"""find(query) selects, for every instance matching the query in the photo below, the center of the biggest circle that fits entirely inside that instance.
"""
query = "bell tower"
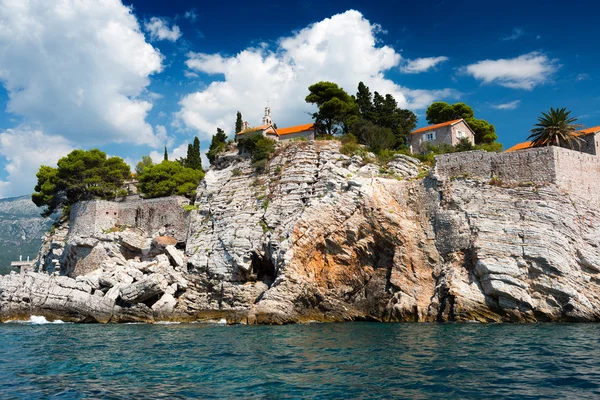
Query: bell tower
(267, 118)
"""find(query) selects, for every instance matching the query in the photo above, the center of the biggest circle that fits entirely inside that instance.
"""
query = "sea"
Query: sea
(41, 360)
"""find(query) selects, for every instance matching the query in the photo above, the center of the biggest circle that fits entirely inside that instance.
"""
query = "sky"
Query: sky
(132, 76)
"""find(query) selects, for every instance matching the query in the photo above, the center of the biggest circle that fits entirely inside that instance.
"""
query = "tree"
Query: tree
(440, 112)
(193, 158)
(81, 175)
(169, 178)
(260, 148)
(217, 145)
(238, 122)
(384, 111)
(140, 166)
(555, 128)
(166, 156)
(364, 101)
(336, 107)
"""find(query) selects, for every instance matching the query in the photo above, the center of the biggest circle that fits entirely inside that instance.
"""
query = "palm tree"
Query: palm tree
(556, 128)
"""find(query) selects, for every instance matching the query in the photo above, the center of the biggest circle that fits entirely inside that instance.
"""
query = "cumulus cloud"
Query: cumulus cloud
(344, 49)
(25, 149)
(524, 72)
(507, 106)
(78, 69)
(191, 15)
(158, 28)
(516, 33)
(419, 65)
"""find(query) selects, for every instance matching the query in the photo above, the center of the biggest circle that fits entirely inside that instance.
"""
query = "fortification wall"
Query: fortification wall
(575, 172)
(92, 217)
(578, 174)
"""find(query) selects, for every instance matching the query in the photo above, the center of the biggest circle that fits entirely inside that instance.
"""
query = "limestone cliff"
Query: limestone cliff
(324, 237)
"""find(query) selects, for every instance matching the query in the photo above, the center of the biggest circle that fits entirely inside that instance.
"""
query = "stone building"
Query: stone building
(268, 129)
(590, 143)
(448, 133)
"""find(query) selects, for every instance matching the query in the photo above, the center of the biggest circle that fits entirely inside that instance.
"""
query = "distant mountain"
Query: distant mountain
(21, 230)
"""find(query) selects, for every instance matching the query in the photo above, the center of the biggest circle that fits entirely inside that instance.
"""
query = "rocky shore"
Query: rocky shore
(321, 236)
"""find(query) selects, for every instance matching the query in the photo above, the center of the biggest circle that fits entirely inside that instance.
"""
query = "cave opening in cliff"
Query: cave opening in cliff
(262, 268)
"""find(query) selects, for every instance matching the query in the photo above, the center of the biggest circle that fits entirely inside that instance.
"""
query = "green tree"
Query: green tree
(364, 101)
(260, 149)
(166, 156)
(238, 122)
(169, 178)
(440, 112)
(193, 158)
(140, 166)
(556, 128)
(217, 145)
(81, 175)
(335, 107)
(384, 111)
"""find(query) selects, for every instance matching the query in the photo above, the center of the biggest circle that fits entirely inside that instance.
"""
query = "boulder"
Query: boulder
(133, 241)
(143, 290)
(175, 255)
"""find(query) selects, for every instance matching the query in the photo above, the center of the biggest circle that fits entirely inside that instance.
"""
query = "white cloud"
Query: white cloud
(343, 49)
(78, 68)
(191, 15)
(190, 74)
(507, 106)
(178, 152)
(158, 28)
(516, 33)
(524, 72)
(582, 77)
(25, 149)
(419, 65)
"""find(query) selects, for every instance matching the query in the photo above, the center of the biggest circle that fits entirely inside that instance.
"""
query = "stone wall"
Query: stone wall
(573, 171)
(96, 216)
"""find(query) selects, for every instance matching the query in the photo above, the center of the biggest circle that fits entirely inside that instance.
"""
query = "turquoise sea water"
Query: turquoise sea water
(353, 360)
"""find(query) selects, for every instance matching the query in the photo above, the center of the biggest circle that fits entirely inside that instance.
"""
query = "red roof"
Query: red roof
(295, 129)
(587, 131)
(519, 146)
(431, 127)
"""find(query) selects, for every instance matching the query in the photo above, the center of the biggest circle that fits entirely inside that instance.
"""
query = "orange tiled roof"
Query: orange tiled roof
(519, 146)
(583, 132)
(428, 128)
(254, 129)
(295, 129)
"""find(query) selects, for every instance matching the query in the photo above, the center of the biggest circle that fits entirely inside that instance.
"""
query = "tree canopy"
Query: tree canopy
(440, 112)
(140, 166)
(238, 122)
(376, 111)
(217, 145)
(555, 128)
(335, 107)
(81, 175)
(169, 178)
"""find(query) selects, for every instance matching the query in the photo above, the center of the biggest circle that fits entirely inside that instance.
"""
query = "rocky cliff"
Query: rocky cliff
(325, 237)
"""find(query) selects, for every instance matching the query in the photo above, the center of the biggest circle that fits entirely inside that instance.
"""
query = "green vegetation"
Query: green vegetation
(556, 128)
(218, 144)
(189, 207)
(166, 155)
(336, 108)
(238, 122)
(142, 165)
(382, 112)
(193, 159)
(260, 149)
(81, 175)
(485, 132)
(236, 172)
(169, 178)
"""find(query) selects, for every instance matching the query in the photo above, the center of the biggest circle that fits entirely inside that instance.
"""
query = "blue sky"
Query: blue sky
(131, 76)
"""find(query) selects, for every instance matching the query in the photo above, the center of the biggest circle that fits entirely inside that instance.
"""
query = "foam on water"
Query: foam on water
(41, 320)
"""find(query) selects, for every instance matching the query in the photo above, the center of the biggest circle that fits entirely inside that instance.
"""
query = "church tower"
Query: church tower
(267, 118)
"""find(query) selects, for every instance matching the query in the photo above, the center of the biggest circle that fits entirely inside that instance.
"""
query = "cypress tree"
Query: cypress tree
(197, 156)
(238, 122)
(166, 157)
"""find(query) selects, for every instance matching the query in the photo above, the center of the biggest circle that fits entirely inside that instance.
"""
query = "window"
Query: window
(461, 134)
(430, 137)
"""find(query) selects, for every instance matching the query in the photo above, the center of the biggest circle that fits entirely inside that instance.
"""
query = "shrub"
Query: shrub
(260, 149)
(464, 144)
(349, 148)
(260, 165)
(236, 172)
(169, 178)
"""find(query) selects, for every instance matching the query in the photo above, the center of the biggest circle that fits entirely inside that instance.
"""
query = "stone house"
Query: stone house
(590, 143)
(448, 133)
(268, 129)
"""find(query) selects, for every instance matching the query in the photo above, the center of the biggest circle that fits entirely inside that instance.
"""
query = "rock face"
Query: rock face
(321, 236)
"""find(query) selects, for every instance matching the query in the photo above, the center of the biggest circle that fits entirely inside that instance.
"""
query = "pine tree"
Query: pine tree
(238, 122)
(364, 101)
(166, 157)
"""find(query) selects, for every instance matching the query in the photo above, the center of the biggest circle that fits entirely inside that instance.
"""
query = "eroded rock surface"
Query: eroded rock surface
(326, 237)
